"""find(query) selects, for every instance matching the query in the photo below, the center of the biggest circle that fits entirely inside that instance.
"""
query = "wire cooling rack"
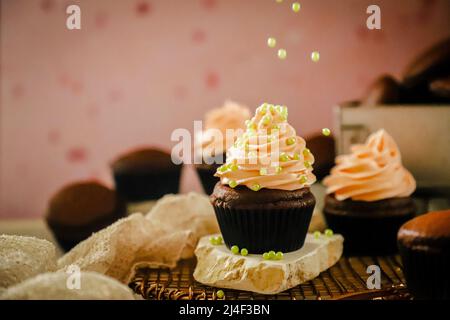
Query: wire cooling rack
(345, 280)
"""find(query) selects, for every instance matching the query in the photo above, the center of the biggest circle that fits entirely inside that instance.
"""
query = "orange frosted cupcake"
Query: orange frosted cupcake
(368, 196)
(263, 202)
(212, 147)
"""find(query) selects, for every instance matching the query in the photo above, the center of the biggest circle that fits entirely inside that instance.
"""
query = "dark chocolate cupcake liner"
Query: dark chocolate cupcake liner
(426, 273)
(147, 186)
(207, 178)
(263, 230)
(367, 235)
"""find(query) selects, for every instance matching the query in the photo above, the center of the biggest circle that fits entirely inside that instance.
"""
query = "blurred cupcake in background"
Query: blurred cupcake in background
(79, 209)
(368, 196)
(211, 143)
(143, 176)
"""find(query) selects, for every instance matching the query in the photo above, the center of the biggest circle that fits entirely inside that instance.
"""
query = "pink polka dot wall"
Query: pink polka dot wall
(71, 100)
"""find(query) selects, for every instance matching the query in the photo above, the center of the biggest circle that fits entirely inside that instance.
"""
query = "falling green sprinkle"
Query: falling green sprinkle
(232, 184)
(244, 252)
(279, 255)
(315, 56)
(303, 179)
(290, 141)
(284, 157)
(235, 249)
(272, 42)
(307, 164)
(220, 294)
(272, 254)
(326, 132)
(263, 171)
(296, 7)
(266, 256)
(282, 54)
(329, 232)
(317, 234)
(278, 169)
(256, 187)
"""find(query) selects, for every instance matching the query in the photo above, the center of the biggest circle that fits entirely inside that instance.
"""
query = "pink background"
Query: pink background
(72, 100)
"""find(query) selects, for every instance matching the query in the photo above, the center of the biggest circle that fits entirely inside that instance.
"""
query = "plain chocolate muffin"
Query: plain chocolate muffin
(79, 209)
(265, 220)
(146, 174)
(424, 245)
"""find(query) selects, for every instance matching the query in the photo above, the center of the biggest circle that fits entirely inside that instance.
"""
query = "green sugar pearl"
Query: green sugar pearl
(266, 119)
(279, 255)
(222, 168)
(220, 294)
(272, 42)
(290, 141)
(307, 164)
(263, 171)
(317, 234)
(272, 254)
(232, 184)
(296, 156)
(306, 152)
(284, 157)
(326, 132)
(315, 56)
(244, 252)
(278, 169)
(216, 240)
(266, 256)
(303, 179)
(329, 232)
(235, 249)
(233, 167)
(282, 54)
(255, 187)
(296, 7)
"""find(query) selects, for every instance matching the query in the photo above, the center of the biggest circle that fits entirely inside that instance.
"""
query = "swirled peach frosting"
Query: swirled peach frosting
(269, 154)
(373, 171)
(230, 116)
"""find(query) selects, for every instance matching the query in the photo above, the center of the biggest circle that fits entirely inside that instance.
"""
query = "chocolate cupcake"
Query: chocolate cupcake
(263, 201)
(424, 245)
(211, 144)
(368, 196)
(79, 209)
(146, 174)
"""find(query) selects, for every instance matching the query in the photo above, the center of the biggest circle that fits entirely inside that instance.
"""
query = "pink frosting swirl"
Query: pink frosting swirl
(269, 154)
(373, 171)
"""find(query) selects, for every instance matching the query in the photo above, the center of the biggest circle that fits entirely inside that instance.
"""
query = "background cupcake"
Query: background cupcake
(210, 146)
(263, 201)
(79, 209)
(424, 244)
(144, 175)
(368, 196)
